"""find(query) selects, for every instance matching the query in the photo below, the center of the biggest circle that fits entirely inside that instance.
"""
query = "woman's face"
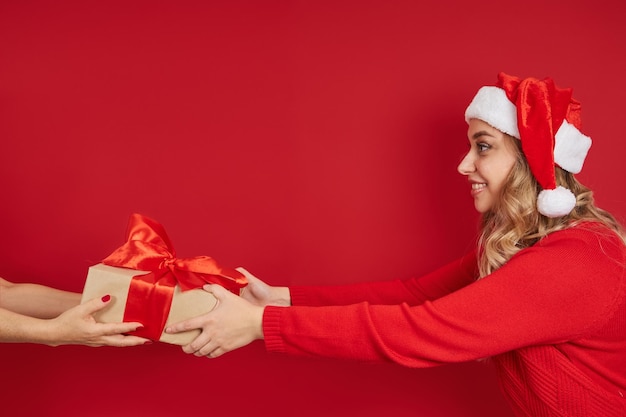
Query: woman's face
(487, 164)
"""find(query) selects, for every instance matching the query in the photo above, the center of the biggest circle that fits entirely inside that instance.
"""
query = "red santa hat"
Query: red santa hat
(547, 121)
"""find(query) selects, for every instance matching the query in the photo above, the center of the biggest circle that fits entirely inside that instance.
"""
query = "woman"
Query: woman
(32, 313)
(543, 295)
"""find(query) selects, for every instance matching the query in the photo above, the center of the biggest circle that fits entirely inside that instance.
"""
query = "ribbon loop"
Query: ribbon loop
(148, 248)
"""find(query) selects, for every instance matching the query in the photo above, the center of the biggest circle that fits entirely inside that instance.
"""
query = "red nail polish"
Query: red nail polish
(106, 298)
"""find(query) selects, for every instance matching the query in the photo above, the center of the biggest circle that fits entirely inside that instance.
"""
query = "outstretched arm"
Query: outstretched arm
(32, 313)
(36, 300)
(75, 326)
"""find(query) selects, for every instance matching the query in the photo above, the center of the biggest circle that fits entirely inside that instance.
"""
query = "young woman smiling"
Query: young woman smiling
(488, 163)
(543, 295)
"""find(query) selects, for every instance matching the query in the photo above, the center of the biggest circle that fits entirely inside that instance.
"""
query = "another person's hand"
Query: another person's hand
(234, 322)
(261, 294)
(77, 326)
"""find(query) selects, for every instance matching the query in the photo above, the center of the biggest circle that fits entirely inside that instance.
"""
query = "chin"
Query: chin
(479, 208)
(482, 206)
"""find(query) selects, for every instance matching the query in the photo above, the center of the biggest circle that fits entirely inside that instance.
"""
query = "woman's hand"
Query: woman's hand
(259, 293)
(234, 322)
(77, 326)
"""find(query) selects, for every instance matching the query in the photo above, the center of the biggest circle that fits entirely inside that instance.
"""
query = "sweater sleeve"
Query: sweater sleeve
(413, 291)
(562, 288)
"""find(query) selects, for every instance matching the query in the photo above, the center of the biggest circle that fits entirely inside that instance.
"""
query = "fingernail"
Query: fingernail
(147, 342)
(106, 298)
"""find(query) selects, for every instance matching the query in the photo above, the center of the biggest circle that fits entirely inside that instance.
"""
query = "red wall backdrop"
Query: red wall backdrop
(309, 141)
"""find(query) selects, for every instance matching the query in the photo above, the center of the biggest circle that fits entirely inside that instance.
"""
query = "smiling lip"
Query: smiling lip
(477, 187)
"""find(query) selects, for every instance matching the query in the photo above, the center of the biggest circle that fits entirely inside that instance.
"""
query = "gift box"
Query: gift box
(103, 279)
(149, 285)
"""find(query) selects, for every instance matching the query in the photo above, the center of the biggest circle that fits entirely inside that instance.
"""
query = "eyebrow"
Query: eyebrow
(481, 133)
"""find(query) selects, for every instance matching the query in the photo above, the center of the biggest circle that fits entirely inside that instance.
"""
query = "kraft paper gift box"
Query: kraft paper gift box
(103, 279)
(149, 285)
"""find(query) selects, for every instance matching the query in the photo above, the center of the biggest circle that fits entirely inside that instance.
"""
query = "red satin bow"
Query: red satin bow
(148, 248)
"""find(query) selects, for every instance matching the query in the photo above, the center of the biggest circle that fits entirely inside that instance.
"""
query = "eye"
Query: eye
(482, 147)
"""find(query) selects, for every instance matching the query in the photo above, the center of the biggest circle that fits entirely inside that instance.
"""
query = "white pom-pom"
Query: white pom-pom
(556, 203)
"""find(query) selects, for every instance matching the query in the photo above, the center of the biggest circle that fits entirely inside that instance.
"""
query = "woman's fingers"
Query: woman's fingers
(120, 340)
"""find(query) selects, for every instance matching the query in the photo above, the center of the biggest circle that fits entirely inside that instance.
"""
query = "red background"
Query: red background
(309, 141)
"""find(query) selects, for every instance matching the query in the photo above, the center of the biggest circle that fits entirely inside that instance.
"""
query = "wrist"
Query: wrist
(282, 296)
(258, 323)
(47, 332)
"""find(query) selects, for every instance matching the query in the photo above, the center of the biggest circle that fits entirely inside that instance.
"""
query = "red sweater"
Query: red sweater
(553, 320)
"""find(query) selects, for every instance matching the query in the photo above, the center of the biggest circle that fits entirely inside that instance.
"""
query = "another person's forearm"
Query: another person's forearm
(17, 328)
(36, 300)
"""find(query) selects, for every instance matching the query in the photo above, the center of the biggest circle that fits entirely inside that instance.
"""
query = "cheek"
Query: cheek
(509, 165)
(502, 172)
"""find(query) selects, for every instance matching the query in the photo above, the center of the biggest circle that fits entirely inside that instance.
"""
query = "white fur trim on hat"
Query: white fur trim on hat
(556, 203)
(491, 105)
(570, 148)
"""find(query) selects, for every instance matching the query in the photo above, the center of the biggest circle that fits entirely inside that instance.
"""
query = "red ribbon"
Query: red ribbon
(148, 248)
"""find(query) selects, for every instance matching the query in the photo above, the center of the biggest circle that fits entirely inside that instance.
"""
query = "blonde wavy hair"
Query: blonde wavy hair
(514, 223)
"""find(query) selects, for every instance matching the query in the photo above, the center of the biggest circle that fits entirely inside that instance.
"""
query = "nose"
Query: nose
(466, 166)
